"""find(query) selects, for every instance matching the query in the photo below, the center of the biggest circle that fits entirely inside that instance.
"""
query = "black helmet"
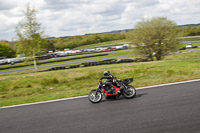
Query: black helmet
(106, 73)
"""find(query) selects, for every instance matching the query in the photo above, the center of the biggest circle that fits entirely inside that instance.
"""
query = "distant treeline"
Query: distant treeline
(189, 31)
(76, 41)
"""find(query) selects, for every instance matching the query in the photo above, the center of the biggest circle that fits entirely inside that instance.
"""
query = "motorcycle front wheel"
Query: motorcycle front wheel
(95, 97)
(130, 92)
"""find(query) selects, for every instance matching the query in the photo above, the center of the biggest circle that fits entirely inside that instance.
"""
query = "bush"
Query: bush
(6, 51)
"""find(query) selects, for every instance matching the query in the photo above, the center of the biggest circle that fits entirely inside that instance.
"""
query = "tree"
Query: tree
(6, 51)
(30, 41)
(155, 37)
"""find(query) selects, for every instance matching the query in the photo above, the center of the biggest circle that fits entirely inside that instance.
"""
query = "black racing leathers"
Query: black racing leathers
(108, 83)
(110, 77)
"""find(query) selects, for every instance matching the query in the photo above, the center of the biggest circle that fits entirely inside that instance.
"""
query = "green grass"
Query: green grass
(189, 39)
(104, 44)
(185, 40)
(30, 86)
(184, 44)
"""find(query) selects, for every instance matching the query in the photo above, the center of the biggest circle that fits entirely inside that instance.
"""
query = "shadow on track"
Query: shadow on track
(121, 98)
(140, 95)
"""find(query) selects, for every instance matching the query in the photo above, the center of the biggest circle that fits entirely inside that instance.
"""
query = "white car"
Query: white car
(78, 51)
(91, 50)
(3, 61)
(120, 47)
(9, 60)
(189, 45)
(100, 49)
(126, 45)
(59, 53)
(68, 52)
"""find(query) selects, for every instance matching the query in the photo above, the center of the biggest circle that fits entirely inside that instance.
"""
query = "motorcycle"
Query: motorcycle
(110, 90)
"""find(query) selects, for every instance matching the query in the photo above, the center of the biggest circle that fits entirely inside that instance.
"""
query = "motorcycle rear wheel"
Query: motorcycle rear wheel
(95, 98)
(130, 92)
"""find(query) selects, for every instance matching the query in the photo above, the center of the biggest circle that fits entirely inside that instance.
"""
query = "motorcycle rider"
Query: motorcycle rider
(111, 80)
(107, 75)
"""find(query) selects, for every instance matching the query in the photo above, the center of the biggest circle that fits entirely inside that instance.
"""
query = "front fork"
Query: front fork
(98, 89)
(124, 89)
(122, 85)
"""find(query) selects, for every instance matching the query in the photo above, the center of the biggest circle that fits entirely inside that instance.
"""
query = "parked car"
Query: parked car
(100, 49)
(108, 49)
(3, 60)
(189, 45)
(89, 50)
(15, 60)
(78, 51)
(120, 47)
(126, 45)
(68, 52)
(59, 53)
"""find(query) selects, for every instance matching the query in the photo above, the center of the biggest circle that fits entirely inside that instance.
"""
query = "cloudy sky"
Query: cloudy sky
(78, 17)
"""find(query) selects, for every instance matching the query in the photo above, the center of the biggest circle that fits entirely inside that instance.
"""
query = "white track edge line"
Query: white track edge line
(181, 82)
(56, 100)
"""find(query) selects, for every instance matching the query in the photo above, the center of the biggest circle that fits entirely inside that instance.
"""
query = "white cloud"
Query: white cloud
(6, 5)
(75, 17)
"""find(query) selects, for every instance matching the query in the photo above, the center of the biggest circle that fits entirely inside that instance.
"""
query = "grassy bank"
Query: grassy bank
(185, 44)
(32, 86)
(189, 38)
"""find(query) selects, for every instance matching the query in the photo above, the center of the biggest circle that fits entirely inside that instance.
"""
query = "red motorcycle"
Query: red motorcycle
(112, 90)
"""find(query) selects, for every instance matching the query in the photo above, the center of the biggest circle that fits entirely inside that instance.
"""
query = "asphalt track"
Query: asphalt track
(164, 109)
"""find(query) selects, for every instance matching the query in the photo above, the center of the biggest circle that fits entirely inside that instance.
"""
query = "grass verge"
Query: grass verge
(32, 86)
